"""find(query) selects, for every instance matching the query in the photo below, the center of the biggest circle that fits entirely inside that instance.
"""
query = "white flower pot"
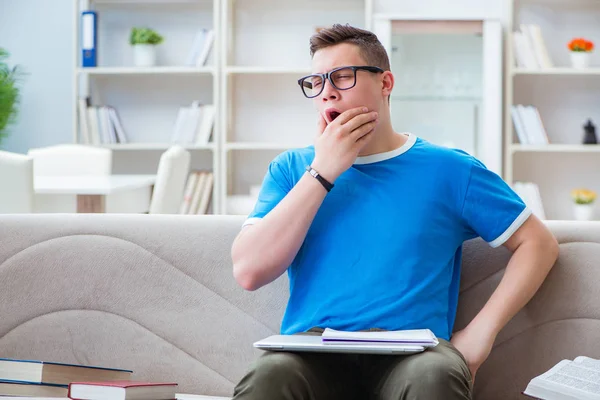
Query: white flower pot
(583, 212)
(144, 55)
(580, 59)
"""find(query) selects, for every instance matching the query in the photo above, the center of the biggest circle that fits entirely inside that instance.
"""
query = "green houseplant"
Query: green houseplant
(9, 92)
(144, 42)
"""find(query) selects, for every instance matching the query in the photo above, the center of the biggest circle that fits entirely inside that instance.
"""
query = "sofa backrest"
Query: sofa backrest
(155, 294)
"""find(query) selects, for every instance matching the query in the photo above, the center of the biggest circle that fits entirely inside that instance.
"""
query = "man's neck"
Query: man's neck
(385, 140)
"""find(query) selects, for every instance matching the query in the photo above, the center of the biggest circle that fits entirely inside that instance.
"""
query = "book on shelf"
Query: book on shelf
(34, 371)
(29, 389)
(530, 48)
(201, 47)
(99, 124)
(529, 192)
(197, 193)
(122, 390)
(568, 380)
(194, 124)
(417, 337)
(528, 125)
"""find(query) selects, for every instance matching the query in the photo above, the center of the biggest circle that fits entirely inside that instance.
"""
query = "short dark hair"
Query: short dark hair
(368, 44)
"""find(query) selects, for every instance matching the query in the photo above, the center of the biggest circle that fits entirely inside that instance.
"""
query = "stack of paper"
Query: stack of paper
(416, 337)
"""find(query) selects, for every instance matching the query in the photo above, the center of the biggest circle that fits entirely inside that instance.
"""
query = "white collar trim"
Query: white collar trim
(373, 158)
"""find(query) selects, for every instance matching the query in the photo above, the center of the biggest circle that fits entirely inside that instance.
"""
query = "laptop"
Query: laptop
(314, 343)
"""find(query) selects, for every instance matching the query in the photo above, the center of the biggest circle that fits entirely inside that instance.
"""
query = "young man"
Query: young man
(371, 238)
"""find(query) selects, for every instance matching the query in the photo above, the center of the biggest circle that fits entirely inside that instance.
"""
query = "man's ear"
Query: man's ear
(387, 83)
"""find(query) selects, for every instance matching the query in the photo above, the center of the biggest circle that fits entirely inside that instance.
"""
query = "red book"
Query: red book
(122, 390)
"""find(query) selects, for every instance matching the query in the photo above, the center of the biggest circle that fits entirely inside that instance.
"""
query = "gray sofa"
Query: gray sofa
(155, 294)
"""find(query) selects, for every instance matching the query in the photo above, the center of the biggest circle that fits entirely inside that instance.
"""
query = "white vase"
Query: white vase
(144, 55)
(583, 212)
(580, 59)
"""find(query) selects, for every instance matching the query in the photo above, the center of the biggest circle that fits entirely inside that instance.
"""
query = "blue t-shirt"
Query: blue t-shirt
(384, 250)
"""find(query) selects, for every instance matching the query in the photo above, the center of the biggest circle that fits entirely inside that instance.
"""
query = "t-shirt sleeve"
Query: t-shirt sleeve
(275, 186)
(491, 208)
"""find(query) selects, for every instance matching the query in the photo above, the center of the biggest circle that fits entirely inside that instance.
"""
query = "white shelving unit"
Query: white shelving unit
(263, 111)
(565, 98)
(148, 99)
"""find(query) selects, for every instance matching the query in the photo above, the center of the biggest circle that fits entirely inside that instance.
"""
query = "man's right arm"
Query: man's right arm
(263, 251)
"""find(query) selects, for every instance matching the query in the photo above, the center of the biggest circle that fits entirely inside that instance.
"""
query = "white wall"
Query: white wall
(39, 36)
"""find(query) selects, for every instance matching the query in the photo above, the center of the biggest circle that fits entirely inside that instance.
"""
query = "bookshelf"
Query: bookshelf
(263, 112)
(565, 98)
(147, 99)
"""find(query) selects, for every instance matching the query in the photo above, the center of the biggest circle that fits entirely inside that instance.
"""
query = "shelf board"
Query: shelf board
(154, 146)
(172, 70)
(267, 70)
(556, 71)
(555, 148)
(261, 146)
(436, 98)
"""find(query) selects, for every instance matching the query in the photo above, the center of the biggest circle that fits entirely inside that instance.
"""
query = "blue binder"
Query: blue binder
(89, 42)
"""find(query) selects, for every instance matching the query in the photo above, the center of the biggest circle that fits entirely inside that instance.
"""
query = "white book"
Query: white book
(420, 337)
(205, 127)
(206, 193)
(118, 127)
(190, 187)
(192, 121)
(84, 130)
(94, 127)
(540, 45)
(529, 192)
(532, 44)
(197, 195)
(568, 380)
(524, 50)
(197, 47)
(208, 43)
(179, 124)
(519, 125)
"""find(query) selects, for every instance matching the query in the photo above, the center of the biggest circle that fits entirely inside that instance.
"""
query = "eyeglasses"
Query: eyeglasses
(342, 78)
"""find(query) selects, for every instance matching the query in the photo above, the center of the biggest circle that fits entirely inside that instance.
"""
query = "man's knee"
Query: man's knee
(436, 375)
(270, 374)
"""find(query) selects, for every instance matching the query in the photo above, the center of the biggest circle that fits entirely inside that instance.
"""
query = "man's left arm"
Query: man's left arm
(535, 251)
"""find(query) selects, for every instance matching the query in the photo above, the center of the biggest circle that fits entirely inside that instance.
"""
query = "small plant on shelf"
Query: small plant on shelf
(9, 92)
(580, 52)
(583, 207)
(144, 42)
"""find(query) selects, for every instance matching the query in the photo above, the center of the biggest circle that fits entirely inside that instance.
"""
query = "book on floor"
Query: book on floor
(33, 371)
(122, 390)
(577, 379)
(417, 337)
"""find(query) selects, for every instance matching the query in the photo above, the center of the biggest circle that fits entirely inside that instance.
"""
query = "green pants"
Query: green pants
(438, 373)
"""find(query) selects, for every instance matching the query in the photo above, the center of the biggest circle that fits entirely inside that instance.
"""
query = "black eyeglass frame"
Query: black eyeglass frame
(327, 76)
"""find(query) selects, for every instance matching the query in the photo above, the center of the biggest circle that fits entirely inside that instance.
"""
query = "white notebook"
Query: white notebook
(416, 337)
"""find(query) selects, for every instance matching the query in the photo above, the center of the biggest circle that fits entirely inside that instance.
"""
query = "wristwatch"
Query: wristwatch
(326, 184)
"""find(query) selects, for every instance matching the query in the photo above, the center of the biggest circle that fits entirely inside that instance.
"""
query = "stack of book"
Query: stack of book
(99, 124)
(198, 193)
(47, 379)
(194, 124)
(530, 49)
(528, 125)
(40, 380)
(201, 47)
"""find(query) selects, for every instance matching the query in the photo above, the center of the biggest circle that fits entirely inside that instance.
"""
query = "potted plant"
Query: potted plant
(144, 42)
(581, 50)
(9, 92)
(583, 207)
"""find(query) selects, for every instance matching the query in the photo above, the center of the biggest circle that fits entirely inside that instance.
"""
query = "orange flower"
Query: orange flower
(581, 44)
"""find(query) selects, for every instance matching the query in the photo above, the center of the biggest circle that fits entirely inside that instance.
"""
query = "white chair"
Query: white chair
(67, 159)
(16, 180)
(71, 159)
(173, 170)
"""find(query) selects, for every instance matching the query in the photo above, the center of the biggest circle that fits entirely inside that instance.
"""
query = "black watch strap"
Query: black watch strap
(326, 184)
